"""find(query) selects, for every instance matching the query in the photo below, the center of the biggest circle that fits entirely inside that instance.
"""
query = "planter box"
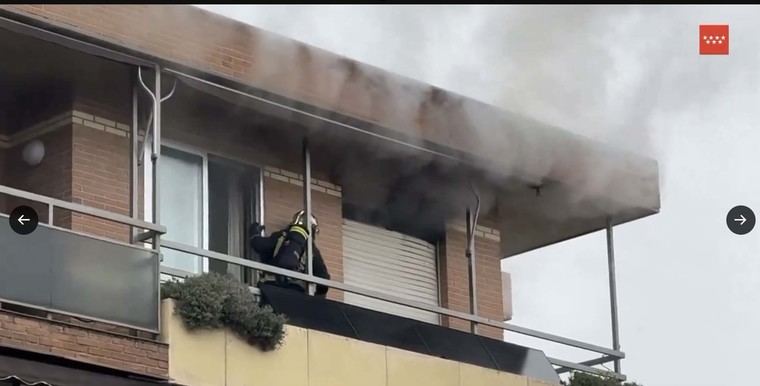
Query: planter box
(219, 357)
(310, 358)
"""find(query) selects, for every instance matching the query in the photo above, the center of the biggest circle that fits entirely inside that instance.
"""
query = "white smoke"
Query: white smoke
(564, 66)
(510, 52)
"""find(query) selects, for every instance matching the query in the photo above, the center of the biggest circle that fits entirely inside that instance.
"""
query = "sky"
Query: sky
(631, 76)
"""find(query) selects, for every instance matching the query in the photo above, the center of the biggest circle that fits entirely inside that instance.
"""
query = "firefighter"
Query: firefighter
(287, 249)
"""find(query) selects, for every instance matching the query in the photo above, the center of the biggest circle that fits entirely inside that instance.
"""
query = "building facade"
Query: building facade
(243, 115)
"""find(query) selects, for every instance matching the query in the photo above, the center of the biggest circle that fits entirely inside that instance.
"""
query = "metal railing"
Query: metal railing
(51, 247)
(53, 203)
(609, 355)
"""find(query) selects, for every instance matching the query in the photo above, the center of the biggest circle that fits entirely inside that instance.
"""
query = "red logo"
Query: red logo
(713, 39)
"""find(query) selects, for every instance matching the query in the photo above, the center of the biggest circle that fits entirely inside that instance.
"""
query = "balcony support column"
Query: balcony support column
(613, 294)
(307, 209)
(133, 171)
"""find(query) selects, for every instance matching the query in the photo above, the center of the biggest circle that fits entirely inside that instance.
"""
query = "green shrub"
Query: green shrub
(213, 301)
(583, 379)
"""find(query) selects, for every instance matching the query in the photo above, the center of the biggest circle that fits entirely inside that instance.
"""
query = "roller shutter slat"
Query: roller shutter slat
(392, 263)
(384, 265)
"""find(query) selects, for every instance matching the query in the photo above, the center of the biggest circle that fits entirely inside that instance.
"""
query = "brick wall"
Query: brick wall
(82, 344)
(86, 161)
(455, 280)
(283, 193)
(100, 173)
(52, 176)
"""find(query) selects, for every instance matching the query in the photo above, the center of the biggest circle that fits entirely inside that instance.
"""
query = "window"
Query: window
(385, 257)
(233, 201)
(207, 202)
(181, 205)
(393, 263)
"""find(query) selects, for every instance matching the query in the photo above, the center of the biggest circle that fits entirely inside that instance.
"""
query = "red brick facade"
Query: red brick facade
(455, 281)
(100, 177)
(84, 344)
(52, 177)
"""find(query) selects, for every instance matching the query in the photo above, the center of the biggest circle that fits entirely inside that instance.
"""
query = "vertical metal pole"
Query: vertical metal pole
(613, 293)
(470, 254)
(203, 262)
(259, 216)
(155, 156)
(133, 146)
(156, 152)
(307, 208)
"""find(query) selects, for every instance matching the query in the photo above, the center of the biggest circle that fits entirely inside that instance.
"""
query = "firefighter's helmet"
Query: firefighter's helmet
(300, 219)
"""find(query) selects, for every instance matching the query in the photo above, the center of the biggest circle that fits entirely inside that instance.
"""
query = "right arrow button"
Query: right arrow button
(740, 220)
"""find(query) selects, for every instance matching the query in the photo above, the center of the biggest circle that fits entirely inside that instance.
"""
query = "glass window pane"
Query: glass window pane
(181, 200)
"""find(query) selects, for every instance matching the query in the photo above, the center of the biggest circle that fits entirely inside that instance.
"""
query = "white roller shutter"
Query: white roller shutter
(390, 262)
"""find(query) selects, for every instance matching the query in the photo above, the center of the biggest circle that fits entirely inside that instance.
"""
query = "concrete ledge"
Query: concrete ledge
(311, 358)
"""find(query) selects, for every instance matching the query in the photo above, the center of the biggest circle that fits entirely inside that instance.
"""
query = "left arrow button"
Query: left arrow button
(23, 220)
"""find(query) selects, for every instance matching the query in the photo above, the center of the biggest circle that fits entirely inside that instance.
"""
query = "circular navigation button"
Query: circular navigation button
(23, 220)
(740, 220)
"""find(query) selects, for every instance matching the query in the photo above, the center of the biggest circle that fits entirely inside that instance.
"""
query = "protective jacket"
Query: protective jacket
(287, 249)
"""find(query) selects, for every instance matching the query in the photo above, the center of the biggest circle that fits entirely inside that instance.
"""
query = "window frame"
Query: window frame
(204, 154)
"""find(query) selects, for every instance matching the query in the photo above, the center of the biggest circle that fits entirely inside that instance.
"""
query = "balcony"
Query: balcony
(102, 269)
(86, 275)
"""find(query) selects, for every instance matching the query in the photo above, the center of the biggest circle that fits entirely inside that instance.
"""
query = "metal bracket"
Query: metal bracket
(143, 237)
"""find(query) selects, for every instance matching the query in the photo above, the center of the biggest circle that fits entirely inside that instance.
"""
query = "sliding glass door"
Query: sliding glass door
(181, 204)
(207, 202)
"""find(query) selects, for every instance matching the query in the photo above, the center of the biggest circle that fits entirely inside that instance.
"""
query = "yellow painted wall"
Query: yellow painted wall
(311, 358)
(195, 358)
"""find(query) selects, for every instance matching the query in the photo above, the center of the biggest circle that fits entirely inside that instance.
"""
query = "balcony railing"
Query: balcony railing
(608, 355)
(86, 275)
(77, 274)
